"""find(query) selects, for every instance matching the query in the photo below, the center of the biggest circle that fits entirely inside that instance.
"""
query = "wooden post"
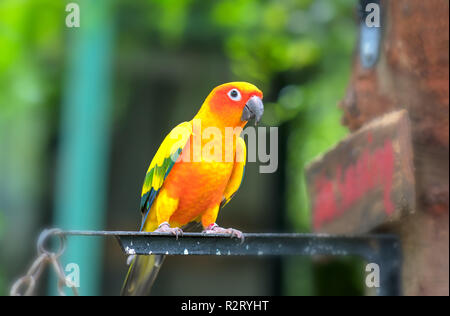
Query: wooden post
(412, 73)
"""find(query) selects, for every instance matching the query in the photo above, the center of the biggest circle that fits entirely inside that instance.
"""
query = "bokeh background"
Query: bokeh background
(83, 110)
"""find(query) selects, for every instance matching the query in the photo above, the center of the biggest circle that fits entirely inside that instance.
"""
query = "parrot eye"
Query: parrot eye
(234, 95)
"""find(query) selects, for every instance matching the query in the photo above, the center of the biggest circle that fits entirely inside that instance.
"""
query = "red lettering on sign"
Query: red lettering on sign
(336, 196)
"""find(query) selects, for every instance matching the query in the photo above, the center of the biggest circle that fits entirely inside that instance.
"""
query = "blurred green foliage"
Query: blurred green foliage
(30, 37)
(31, 61)
(297, 51)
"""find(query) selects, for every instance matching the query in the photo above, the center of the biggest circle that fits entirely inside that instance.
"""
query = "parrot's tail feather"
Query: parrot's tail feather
(141, 275)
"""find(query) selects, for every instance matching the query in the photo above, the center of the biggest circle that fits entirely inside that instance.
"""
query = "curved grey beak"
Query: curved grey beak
(254, 109)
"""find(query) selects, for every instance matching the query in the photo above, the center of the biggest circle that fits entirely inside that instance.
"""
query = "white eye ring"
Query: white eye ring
(234, 95)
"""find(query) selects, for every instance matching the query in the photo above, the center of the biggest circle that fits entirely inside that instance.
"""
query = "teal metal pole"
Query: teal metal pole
(81, 181)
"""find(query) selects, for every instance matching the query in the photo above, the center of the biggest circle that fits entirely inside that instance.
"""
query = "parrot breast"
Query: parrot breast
(198, 186)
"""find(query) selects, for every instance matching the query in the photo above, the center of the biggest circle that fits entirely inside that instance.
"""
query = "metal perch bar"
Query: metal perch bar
(381, 249)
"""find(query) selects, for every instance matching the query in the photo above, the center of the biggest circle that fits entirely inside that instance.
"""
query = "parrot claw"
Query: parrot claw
(216, 229)
(165, 228)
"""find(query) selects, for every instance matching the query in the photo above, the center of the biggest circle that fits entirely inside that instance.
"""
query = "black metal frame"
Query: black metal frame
(381, 249)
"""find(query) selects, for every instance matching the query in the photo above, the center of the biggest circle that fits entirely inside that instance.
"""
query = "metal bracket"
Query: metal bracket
(369, 34)
(383, 250)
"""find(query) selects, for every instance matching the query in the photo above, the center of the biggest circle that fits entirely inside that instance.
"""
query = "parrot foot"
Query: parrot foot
(216, 229)
(165, 228)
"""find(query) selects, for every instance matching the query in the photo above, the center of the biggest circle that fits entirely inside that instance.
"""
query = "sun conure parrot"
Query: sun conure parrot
(182, 186)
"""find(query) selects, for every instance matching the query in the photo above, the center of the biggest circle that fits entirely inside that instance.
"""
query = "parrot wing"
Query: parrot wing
(162, 163)
(238, 172)
(144, 269)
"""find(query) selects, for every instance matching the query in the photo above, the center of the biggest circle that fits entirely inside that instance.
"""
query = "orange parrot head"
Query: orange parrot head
(233, 104)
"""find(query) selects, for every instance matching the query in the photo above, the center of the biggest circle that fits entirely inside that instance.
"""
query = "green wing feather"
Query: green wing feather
(161, 165)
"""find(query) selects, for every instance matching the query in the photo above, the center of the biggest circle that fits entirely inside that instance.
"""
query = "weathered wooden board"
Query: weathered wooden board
(366, 180)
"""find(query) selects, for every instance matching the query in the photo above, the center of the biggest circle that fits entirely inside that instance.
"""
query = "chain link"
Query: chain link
(25, 286)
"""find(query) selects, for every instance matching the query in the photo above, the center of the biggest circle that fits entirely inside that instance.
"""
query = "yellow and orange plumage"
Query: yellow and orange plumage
(183, 183)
